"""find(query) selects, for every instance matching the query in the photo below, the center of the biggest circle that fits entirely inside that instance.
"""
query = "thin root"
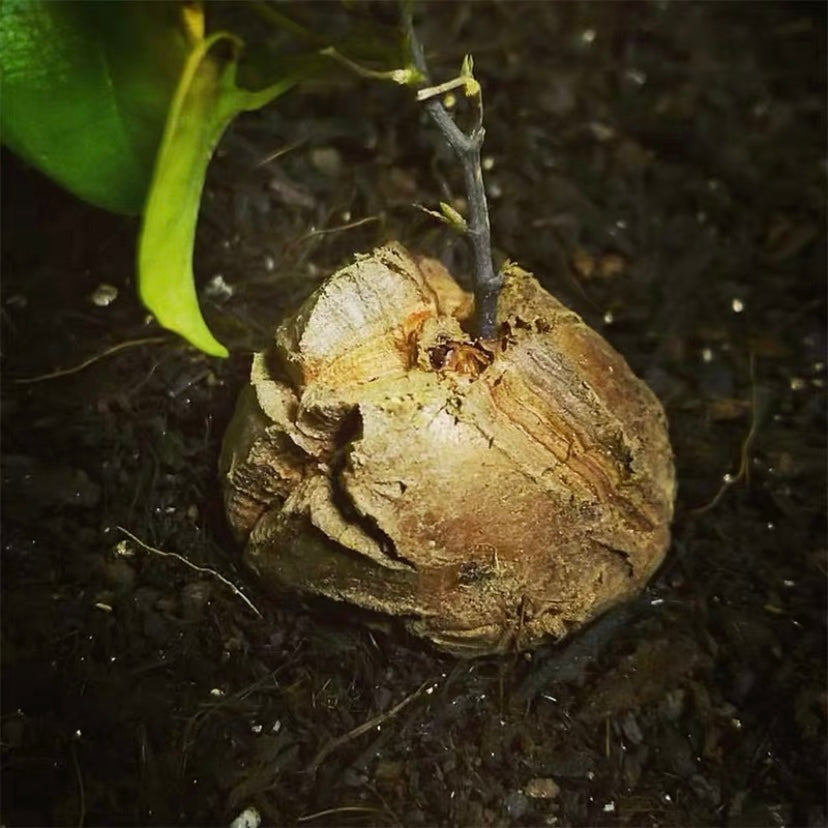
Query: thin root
(334, 744)
(121, 346)
(744, 455)
(198, 568)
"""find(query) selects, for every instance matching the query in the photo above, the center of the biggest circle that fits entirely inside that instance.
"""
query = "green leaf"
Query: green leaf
(205, 102)
(86, 88)
(452, 217)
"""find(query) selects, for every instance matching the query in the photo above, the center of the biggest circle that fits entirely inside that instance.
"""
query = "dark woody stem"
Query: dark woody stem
(487, 283)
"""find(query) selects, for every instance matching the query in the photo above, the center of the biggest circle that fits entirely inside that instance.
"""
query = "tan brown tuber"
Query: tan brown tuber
(488, 494)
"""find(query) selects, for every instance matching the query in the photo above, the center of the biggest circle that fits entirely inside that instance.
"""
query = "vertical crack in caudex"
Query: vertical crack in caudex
(349, 433)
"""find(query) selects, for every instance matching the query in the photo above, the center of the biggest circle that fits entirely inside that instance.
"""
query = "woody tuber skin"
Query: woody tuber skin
(488, 493)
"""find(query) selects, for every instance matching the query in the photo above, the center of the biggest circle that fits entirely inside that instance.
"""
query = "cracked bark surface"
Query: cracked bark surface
(488, 493)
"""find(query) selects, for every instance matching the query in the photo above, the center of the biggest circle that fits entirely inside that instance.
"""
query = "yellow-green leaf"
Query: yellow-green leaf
(205, 102)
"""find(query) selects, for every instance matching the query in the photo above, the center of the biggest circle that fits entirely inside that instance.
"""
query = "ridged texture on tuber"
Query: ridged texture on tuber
(488, 494)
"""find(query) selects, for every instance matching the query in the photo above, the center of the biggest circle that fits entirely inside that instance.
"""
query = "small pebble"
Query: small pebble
(104, 295)
(542, 788)
(248, 818)
(327, 160)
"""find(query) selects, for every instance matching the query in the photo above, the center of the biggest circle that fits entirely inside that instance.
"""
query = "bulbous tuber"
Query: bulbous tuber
(487, 493)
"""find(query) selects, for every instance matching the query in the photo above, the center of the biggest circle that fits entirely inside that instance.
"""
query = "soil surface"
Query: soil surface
(661, 168)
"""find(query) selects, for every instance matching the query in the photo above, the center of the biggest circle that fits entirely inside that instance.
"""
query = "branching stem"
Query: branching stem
(487, 283)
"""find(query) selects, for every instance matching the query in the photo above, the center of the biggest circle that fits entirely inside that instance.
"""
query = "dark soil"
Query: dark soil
(661, 167)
